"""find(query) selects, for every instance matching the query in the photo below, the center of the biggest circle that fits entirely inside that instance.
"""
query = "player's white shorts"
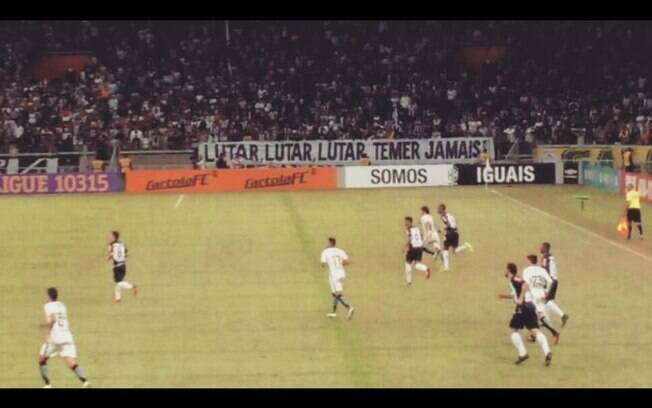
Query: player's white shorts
(49, 349)
(432, 240)
(540, 306)
(336, 283)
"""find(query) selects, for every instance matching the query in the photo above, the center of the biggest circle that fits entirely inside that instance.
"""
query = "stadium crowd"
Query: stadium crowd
(166, 85)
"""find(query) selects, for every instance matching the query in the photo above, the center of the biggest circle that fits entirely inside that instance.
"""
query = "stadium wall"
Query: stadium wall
(610, 155)
(277, 179)
(601, 177)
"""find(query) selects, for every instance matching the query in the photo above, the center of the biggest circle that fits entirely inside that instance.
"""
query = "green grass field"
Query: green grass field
(232, 294)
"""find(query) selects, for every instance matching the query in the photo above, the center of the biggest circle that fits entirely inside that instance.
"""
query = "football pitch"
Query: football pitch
(232, 293)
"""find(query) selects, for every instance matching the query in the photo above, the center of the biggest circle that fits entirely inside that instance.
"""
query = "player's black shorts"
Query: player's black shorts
(414, 255)
(633, 215)
(119, 273)
(553, 290)
(525, 316)
(452, 239)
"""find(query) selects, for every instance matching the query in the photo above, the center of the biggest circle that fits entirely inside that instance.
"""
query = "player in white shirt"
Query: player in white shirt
(549, 264)
(117, 252)
(413, 251)
(539, 284)
(59, 341)
(524, 317)
(451, 234)
(336, 259)
(430, 234)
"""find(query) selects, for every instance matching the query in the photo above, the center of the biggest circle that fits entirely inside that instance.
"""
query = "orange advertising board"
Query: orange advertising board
(208, 181)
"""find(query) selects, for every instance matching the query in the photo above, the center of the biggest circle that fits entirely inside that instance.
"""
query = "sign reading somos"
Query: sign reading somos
(352, 151)
(397, 176)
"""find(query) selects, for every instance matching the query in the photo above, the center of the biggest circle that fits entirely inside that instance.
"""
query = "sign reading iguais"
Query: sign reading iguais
(505, 174)
(535, 173)
(379, 151)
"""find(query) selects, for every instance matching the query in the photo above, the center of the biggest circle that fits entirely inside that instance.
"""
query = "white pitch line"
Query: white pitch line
(570, 224)
(179, 200)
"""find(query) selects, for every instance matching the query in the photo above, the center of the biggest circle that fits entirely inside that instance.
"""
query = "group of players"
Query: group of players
(417, 241)
(59, 340)
(427, 240)
(534, 294)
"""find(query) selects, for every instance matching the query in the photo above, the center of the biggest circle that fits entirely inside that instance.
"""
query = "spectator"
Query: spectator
(628, 159)
(157, 84)
(236, 162)
(220, 163)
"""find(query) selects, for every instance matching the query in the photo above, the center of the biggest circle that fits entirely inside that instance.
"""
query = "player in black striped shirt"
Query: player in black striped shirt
(524, 317)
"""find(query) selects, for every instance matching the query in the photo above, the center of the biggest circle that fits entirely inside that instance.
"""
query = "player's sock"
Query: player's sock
(517, 340)
(545, 322)
(460, 249)
(421, 267)
(79, 372)
(553, 307)
(408, 273)
(543, 342)
(444, 257)
(43, 366)
(118, 291)
(341, 300)
(334, 303)
(426, 250)
(126, 285)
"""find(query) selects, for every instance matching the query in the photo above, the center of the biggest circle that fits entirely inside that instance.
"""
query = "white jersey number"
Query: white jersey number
(119, 252)
(415, 237)
(538, 282)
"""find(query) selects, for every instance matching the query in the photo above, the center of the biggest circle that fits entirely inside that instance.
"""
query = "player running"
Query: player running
(430, 234)
(549, 264)
(539, 283)
(633, 211)
(336, 259)
(118, 253)
(413, 252)
(524, 316)
(451, 234)
(59, 341)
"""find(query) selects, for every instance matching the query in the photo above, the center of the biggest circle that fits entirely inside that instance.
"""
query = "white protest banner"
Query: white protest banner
(336, 152)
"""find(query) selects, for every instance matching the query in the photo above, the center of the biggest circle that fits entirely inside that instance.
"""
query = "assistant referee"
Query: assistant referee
(633, 200)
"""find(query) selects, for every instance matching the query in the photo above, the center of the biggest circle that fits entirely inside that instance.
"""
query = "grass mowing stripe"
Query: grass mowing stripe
(352, 358)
